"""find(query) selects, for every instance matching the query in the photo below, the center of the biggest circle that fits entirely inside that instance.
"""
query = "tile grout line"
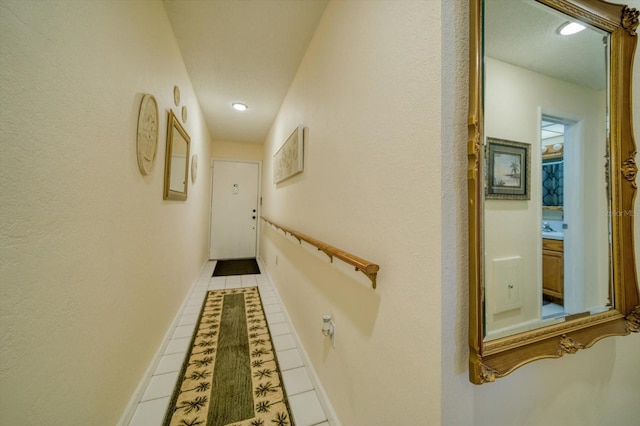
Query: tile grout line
(199, 290)
(330, 414)
(134, 401)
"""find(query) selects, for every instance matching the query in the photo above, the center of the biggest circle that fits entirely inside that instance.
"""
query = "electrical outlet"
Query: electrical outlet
(329, 329)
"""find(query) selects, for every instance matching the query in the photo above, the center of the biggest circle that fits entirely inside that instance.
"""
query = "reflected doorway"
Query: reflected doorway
(575, 226)
(553, 146)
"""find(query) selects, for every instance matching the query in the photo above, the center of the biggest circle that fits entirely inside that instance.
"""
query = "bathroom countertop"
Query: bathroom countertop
(553, 235)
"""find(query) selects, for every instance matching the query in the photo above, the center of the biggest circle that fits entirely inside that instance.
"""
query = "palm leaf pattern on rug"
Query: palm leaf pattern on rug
(197, 392)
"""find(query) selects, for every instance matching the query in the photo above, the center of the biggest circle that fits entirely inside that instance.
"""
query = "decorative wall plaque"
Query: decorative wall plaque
(147, 140)
(194, 167)
(176, 95)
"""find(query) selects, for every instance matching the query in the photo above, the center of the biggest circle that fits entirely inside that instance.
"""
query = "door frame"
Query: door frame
(573, 242)
(259, 209)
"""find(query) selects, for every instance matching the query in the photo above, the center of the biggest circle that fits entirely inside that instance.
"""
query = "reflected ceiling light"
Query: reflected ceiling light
(239, 107)
(569, 28)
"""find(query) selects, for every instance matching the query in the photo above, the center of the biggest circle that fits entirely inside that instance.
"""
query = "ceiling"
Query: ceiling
(249, 51)
(523, 33)
(244, 51)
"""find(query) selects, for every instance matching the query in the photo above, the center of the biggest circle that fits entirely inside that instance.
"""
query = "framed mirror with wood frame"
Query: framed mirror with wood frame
(176, 166)
(554, 272)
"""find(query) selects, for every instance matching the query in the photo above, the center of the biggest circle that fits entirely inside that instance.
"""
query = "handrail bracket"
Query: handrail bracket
(371, 275)
(327, 253)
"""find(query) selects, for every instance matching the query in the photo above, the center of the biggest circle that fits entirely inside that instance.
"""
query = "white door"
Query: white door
(234, 210)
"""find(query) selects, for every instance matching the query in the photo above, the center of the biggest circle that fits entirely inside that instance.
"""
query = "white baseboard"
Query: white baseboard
(131, 407)
(129, 411)
(332, 418)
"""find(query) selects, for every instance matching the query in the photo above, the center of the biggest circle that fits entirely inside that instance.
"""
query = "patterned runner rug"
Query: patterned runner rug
(230, 375)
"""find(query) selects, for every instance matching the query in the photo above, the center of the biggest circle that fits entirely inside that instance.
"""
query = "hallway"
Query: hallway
(101, 278)
(303, 398)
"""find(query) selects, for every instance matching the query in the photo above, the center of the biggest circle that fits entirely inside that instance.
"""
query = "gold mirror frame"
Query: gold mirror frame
(174, 128)
(489, 360)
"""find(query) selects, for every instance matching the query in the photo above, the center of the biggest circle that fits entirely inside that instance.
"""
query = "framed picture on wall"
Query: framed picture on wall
(288, 161)
(508, 170)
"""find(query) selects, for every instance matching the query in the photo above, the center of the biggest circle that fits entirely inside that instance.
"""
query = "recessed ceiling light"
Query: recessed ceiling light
(239, 107)
(569, 28)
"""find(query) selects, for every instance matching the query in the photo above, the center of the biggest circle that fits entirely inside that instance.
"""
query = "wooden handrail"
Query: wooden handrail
(364, 266)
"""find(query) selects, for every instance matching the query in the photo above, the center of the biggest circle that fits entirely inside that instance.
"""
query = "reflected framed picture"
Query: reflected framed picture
(508, 170)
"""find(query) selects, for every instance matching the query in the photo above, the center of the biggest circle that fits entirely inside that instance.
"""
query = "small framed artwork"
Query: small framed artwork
(508, 170)
(288, 161)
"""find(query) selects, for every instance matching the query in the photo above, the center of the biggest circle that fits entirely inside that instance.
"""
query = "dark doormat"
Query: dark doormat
(236, 267)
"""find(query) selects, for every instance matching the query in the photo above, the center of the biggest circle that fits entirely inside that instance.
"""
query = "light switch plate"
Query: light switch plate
(506, 284)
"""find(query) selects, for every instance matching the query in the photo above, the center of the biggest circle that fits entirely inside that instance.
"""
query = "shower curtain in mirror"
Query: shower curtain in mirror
(552, 183)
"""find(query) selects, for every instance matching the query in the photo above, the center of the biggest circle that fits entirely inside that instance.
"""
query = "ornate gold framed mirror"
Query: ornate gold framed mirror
(551, 262)
(176, 166)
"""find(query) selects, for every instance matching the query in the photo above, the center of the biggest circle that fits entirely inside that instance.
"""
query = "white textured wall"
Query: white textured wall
(368, 92)
(598, 386)
(236, 150)
(94, 263)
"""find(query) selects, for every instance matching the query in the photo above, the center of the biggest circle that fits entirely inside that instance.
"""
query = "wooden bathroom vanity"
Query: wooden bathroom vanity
(553, 269)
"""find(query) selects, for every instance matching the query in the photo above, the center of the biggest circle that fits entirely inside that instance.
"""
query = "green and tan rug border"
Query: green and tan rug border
(200, 390)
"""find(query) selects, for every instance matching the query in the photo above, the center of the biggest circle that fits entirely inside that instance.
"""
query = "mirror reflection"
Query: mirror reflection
(176, 160)
(179, 147)
(546, 238)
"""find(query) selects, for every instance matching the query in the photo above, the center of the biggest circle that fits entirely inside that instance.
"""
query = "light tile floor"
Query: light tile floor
(552, 310)
(305, 406)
